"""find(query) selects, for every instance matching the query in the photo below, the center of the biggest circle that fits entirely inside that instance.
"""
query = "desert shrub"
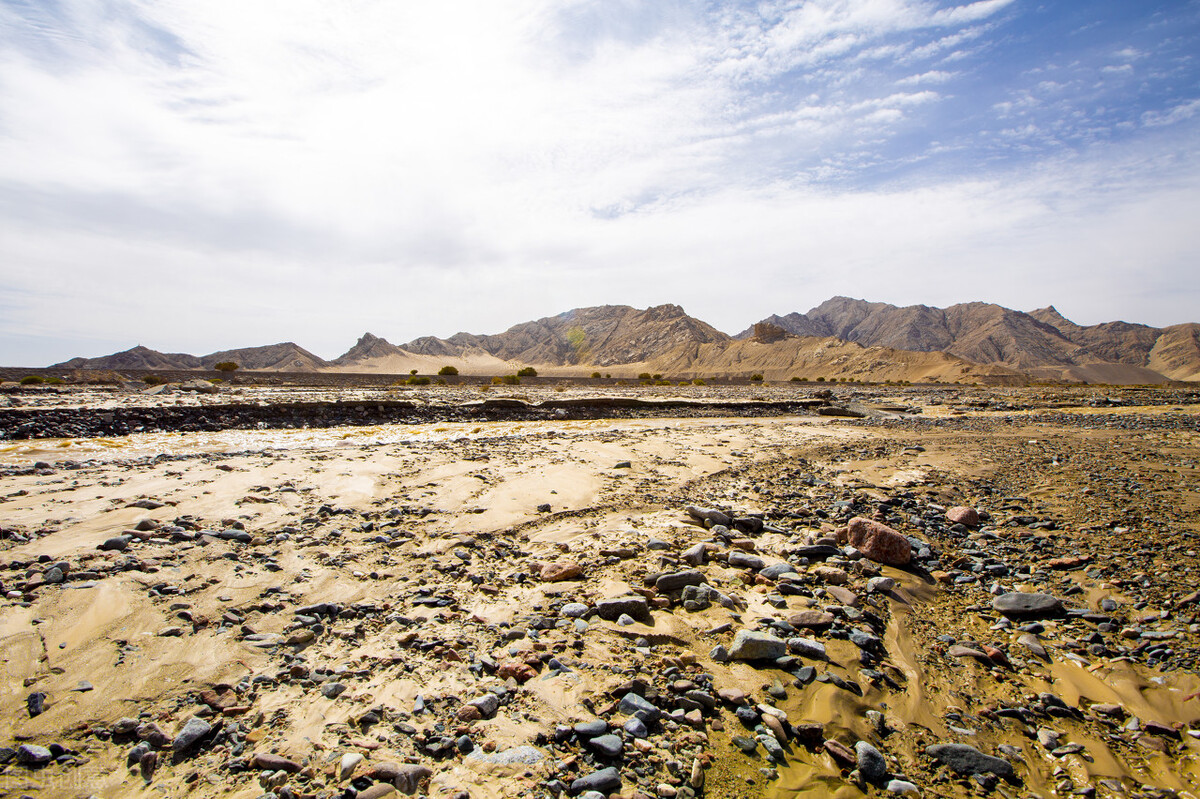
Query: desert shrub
(226, 366)
(820, 380)
(441, 381)
(622, 383)
(412, 371)
(528, 371)
(644, 376)
(662, 382)
(595, 374)
(154, 380)
(757, 378)
(215, 380)
(658, 377)
(417, 381)
(55, 381)
(608, 374)
(448, 370)
(699, 381)
(685, 382)
(506, 380)
(32, 380)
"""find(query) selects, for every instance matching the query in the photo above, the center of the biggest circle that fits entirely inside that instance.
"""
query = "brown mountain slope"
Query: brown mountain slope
(1176, 353)
(600, 336)
(138, 357)
(1119, 342)
(284, 357)
(368, 347)
(811, 357)
(1043, 343)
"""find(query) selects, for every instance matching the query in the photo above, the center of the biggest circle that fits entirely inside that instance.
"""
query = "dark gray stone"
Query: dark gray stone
(607, 745)
(1018, 605)
(871, 764)
(190, 734)
(966, 760)
(606, 781)
(613, 608)
(677, 580)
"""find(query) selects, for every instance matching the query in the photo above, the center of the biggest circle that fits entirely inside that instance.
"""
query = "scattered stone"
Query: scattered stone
(879, 542)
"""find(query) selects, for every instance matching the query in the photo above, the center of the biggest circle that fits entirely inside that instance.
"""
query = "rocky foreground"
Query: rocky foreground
(989, 602)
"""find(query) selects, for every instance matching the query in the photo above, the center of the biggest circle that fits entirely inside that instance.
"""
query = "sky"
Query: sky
(197, 176)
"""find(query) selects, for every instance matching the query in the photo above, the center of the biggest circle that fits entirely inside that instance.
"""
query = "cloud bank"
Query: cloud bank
(199, 176)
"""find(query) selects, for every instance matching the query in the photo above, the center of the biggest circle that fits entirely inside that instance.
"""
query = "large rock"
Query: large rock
(961, 514)
(879, 542)
(611, 609)
(606, 781)
(966, 760)
(678, 580)
(752, 645)
(1018, 605)
(190, 734)
(561, 570)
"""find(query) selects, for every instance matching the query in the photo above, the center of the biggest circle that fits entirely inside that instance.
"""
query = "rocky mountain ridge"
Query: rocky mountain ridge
(841, 338)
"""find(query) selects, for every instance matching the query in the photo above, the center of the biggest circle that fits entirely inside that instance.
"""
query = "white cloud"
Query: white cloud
(201, 175)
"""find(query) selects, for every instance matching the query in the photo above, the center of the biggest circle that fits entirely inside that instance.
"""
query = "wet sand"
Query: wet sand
(432, 542)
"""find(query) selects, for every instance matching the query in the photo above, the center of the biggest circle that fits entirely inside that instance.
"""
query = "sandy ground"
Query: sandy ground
(430, 539)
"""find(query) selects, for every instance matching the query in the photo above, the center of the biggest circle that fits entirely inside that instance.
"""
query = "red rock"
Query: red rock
(812, 619)
(961, 514)
(734, 696)
(1069, 562)
(879, 542)
(841, 753)
(469, 713)
(997, 656)
(271, 762)
(518, 670)
(561, 570)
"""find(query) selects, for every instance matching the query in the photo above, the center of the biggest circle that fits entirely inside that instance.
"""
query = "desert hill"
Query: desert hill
(840, 338)
(602, 336)
(1042, 343)
(285, 357)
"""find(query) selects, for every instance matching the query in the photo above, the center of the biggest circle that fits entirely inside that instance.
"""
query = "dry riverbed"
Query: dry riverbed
(530, 608)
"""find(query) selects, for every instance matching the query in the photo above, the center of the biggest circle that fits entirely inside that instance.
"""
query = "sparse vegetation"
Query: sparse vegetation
(226, 366)
(699, 381)
(441, 381)
(417, 381)
(412, 371)
(644, 376)
(757, 378)
(507, 380)
(528, 371)
(658, 377)
(595, 374)
(448, 370)
(32, 380)
(820, 380)
(154, 380)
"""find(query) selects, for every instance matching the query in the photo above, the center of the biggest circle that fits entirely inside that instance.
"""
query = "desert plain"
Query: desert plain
(736, 591)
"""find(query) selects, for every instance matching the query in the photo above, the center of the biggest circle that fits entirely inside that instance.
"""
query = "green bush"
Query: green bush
(226, 366)
(32, 380)
(528, 371)
(441, 381)
(412, 371)
(154, 380)
(820, 380)
(595, 374)
(699, 381)
(418, 381)
(658, 377)
(799, 379)
(55, 381)
(506, 380)
(448, 370)
(757, 378)
(644, 376)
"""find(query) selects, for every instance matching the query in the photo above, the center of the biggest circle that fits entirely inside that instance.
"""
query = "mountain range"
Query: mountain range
(840, 338)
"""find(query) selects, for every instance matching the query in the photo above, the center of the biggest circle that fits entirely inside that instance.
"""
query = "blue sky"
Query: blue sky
(197, 176)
